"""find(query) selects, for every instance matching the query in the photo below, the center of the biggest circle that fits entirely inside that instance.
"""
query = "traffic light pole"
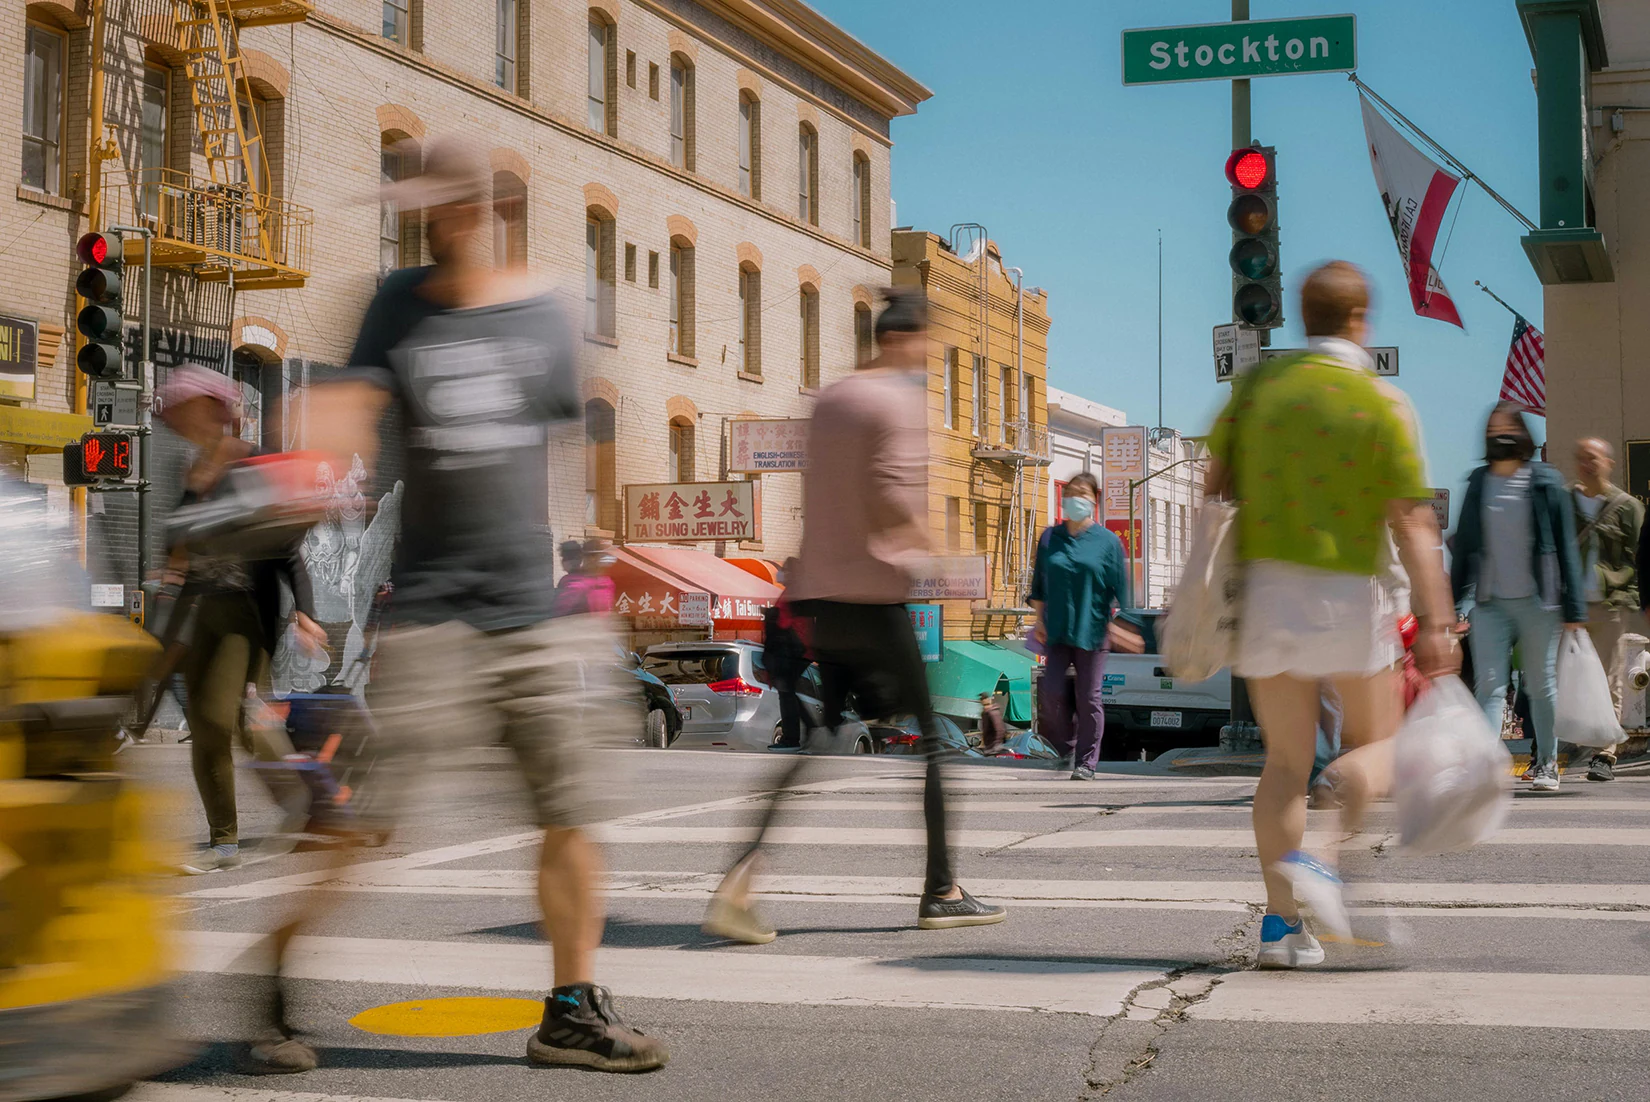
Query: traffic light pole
(146, 400)
(1241, 132)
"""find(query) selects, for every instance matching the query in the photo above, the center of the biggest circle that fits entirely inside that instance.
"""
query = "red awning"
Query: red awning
(649, 582)
(765, 569)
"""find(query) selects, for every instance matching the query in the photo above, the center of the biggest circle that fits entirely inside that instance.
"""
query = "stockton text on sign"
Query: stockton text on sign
(1234, 51)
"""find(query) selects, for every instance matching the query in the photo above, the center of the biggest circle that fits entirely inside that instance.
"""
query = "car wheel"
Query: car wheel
(862, 745)
(658, 732)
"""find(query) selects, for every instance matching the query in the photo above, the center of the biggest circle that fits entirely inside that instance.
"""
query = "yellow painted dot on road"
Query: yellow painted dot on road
(460, 1017)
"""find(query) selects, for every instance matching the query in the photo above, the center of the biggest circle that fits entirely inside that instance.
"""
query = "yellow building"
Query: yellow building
(987, 416)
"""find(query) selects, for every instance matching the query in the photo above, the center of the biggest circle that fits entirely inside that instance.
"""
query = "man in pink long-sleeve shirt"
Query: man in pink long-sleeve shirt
(865, 534)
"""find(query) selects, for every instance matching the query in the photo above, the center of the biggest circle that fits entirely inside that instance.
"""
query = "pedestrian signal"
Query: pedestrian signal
(100, 321)
(99, 455)
(1257, 277)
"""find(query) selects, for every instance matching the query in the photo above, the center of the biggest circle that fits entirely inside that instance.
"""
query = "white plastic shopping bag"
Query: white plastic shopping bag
(1586, 711)
(1451, 780)
(1198, 635)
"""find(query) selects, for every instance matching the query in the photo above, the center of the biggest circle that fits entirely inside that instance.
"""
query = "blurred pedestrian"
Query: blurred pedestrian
(993, 731)
(232, 610)
(585, 588)
(785, 657)
(1516, 568)
(1076, 584)
(477, 362)
(864, 535)
(1323, 458)
(1608, 522)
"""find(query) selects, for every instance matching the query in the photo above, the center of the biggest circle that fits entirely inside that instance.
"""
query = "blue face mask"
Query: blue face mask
(1079, 509)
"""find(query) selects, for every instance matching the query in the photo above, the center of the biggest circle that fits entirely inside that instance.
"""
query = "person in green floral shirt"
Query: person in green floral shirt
(1324, 460)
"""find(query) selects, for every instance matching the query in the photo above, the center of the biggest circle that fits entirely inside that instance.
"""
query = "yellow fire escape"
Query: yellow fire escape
(226, 224)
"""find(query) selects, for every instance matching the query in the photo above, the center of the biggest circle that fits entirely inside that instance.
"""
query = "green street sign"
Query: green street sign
(1234, 51)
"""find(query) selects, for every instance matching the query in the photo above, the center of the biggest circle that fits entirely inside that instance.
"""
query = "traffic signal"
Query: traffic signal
(98, 456)
(100, 320)
(1257, 277)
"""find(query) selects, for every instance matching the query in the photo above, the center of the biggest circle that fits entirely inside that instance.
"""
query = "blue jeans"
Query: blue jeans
(1498, 624)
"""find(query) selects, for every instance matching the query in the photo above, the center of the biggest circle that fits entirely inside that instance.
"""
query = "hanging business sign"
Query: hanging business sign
(691, 512)
(952, 578)
(19, 351)
(758, 447)
(928, 621)
(1240, 50)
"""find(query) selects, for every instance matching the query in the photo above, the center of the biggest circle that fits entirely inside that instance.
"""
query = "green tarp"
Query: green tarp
(972, 667)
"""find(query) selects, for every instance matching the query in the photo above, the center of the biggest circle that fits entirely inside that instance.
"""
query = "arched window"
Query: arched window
(862, 201)
(509, 220)
(683, 298)
(682, 153)
(399, 231)
(864, 342)
(681, 449)
(750, 146)
(807, 175)
(750, 319)
(601, 480)
(602, 91)
(599, 282)
(810, 337)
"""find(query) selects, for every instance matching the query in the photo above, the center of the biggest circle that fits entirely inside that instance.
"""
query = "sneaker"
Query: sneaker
(275, 1052)
(1287, 945)
(1544, 778)
(1082, 773)
(1317, 888)
(934, 913)
(1529, 771)
(213, 859)
(582, 1029)
(1601, 769)
(727, 919)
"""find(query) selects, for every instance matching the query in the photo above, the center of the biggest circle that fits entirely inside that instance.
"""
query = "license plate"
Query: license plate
(1165, 719)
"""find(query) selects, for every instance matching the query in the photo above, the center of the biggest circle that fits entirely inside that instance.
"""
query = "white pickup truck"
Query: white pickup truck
(1148, 709)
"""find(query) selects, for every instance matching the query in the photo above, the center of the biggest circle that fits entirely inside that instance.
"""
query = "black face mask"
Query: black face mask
(1503, 447)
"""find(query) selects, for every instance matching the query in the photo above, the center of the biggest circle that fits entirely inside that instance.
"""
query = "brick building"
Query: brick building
(707, 180)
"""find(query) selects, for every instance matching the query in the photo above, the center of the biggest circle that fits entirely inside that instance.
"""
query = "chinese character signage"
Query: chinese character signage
(952, 578)
(928, 621)
(758, 446)
(19, 340)
(690, 512)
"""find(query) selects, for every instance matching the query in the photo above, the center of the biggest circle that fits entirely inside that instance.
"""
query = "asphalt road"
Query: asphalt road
(1124, 970)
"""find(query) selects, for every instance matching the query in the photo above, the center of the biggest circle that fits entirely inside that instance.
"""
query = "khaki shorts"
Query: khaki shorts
(549, 692)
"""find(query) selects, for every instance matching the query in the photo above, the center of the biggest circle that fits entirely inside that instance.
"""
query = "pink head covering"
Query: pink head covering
(188, 382)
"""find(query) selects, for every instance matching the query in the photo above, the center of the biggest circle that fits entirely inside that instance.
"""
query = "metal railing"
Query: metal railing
(215, 228)
(1017, 438)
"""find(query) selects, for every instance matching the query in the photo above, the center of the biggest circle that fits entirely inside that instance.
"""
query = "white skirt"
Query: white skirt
(1310, 623)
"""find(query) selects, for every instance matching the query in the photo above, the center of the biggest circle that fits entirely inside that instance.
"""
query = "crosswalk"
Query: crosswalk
(1132, 897)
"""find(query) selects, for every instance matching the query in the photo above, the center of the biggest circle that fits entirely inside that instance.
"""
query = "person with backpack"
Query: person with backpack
(1608, 521)
(1076, 584)
(1516, 567)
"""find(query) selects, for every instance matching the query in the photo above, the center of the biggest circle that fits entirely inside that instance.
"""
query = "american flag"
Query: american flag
(1525, 380)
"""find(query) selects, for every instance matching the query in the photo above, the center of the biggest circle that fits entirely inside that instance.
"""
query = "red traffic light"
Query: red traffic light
(1247, 168)
(94, 248)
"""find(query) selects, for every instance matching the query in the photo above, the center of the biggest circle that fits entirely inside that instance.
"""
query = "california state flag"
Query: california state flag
(1415, 193)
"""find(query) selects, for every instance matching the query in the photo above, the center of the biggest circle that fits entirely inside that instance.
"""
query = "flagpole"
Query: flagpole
(1497, 298)
(1466, 173)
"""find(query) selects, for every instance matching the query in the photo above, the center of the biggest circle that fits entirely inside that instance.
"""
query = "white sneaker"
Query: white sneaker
(1318, 889)
(1287, 946)
(1545, 778)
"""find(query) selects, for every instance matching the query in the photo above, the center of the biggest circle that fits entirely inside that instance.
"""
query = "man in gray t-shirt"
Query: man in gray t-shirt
(474, 369)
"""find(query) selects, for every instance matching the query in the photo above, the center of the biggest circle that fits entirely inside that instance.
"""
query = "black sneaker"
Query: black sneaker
(1082, 773)
(581, 1028)
(934, 913)
(1601, 769)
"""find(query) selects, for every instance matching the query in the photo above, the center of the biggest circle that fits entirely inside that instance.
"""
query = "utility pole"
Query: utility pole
(1243, 716)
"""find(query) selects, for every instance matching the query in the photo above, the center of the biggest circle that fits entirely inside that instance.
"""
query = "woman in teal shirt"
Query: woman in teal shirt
(1077, 581)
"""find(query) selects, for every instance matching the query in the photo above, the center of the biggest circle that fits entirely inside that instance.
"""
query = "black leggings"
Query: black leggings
(871, 653)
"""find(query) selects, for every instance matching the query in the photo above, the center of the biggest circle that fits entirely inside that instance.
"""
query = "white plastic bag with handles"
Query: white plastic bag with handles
(1586, 711)
(1198, 635)
(1451, 779)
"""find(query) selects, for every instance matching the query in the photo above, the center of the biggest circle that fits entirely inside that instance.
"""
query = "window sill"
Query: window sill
(602, 339)
(810, 391)
(685, 361)
(46, 199)
(751, 545)
(749, 378)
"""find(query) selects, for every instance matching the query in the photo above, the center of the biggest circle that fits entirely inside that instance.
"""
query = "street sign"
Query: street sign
(693, 610)
(928, 622)
(114, 403)
(1440, 508)
(108, 596)
(1236, 349)
(1237, 51)
(1386, 359)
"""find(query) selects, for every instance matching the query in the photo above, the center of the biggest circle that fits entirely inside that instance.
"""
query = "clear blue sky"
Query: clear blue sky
(1032, 133)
